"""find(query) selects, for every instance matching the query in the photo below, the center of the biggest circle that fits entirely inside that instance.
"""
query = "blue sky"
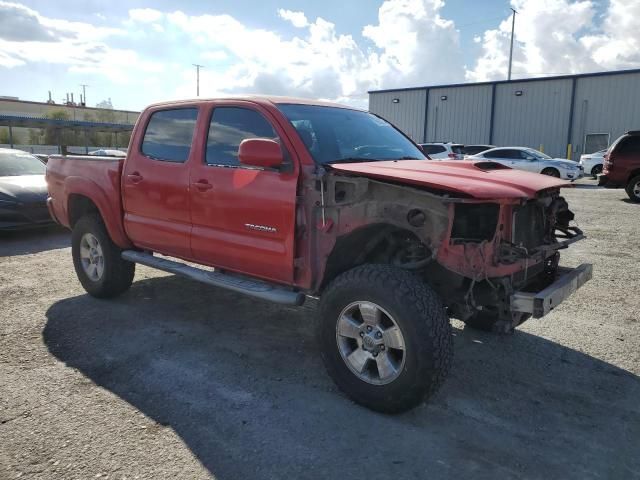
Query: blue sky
(137, 52)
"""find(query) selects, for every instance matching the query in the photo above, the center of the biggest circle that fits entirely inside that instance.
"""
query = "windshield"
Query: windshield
(334, 134)
(537, 154)
(13, 164)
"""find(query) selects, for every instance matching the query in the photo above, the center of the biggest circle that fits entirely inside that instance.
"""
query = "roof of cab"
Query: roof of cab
(260, 99)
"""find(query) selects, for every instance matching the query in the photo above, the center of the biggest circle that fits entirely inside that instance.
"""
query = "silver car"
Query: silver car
(531, 160)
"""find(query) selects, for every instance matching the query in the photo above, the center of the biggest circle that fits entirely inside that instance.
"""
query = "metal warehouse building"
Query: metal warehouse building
(564, 116)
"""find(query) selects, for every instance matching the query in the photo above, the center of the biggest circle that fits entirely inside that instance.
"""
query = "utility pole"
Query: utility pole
(513, 27)
(198, 67)
(84, 93)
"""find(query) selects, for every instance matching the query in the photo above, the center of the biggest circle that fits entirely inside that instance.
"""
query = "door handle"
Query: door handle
(135, 177)
(203, 185)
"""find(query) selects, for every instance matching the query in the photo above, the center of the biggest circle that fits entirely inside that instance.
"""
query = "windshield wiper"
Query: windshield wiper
(408, 158)
(350, 160)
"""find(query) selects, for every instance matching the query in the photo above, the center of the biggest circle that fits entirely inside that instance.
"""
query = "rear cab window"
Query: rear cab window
(169, 134)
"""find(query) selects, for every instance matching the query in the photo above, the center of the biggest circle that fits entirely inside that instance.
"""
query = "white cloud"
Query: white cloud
(145, 15)
(26, 36)
(551, 38)
(297, 19)
(417, 45)
(411, 43)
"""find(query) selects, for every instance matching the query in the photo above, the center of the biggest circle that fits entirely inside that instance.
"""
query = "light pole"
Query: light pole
(198, 67)
(513, 26)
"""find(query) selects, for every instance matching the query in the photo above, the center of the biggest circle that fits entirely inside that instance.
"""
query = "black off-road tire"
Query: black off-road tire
(551, 172)
(118, 273)
(631, 186)
(422, 319)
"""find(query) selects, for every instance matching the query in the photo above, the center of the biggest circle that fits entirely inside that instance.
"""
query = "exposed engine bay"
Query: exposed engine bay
(474, 253)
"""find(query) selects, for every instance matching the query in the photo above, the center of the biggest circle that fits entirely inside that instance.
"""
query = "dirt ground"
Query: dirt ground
(179, 380)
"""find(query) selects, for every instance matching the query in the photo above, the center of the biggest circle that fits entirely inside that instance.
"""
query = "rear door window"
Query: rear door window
(228, 128)
(169, 134)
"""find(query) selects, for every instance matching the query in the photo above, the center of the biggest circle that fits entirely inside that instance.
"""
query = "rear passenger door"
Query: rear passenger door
(155, 182)
(243, 217)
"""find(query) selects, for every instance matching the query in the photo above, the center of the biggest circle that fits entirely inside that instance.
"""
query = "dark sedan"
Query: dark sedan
(23, 191)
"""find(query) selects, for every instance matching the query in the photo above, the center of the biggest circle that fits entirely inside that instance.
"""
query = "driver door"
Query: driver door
(243, 217)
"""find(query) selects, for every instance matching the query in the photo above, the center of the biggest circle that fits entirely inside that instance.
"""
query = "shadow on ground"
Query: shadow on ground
(35, 240)
(240, 381)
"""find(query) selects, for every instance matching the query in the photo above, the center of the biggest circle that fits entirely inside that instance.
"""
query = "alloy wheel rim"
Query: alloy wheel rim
(91, 257)
(370, 343)
(636, 190)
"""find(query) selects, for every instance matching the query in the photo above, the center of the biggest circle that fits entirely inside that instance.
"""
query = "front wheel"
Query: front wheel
(597, 170)
(97, 261)
(385, 337)
(633, 189)
(551, 172)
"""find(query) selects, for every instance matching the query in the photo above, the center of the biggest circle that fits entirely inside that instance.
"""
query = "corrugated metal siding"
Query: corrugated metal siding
(607, 104)
(407, 115)
(464, 117)
(539, 117)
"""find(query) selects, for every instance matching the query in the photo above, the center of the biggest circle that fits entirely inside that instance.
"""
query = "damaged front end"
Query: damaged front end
(499, 255)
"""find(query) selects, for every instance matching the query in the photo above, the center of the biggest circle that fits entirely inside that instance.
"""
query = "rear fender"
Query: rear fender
(110, 210)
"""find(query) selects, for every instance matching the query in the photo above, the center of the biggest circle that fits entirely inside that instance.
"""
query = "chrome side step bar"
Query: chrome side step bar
(248, 286)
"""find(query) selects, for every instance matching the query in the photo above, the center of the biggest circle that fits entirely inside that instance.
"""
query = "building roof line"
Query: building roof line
(520, 80)
(42, 122)
(14, 100)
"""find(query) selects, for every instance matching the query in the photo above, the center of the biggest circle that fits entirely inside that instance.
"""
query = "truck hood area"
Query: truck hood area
(477, 179)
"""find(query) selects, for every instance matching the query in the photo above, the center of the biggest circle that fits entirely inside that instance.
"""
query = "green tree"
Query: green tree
(5, 139)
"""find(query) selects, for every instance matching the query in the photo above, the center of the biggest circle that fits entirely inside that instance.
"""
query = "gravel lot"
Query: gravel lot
(179, 380)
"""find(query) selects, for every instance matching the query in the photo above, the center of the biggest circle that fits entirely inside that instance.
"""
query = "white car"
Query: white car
(443, 151)
(523, 158)
(105, 152)
(592, 162)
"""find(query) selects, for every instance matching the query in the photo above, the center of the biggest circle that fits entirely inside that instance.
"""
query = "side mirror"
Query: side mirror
(260, 152)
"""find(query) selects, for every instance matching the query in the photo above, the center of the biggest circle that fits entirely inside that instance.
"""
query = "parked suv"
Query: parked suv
(622, 165)
(443, 151)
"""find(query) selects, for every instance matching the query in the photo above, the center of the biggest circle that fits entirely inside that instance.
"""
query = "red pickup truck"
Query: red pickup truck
(289, 199)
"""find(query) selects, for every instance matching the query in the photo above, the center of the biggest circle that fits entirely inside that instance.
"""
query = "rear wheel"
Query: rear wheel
(633, 188)
(97, 261)
(552, 172)
(385, 337)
